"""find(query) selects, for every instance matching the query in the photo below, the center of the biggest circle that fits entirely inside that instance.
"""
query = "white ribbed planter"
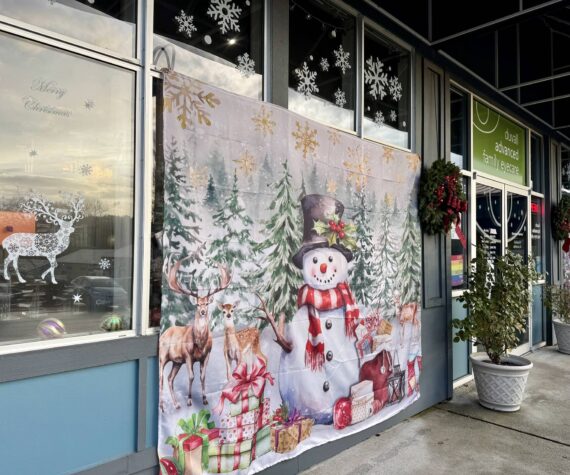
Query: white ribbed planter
(500, 387)
(562, 331)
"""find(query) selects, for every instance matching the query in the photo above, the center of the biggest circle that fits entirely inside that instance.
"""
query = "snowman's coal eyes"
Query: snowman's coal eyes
(315, 260)
(330, 258)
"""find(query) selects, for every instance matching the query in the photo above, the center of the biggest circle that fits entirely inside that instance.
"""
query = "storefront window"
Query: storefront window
(565, 161)
(220, 43)
(537, 220)
(489, 218)
(459, 249)
(108, 24)
(66, 207)
(459, 127)
(386, 91)
(537, 164)
(322, 63)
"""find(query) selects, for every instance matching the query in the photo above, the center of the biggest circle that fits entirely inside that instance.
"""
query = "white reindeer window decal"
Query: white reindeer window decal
(49, 245)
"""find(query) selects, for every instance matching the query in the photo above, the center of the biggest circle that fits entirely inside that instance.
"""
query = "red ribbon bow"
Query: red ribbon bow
(244, 381)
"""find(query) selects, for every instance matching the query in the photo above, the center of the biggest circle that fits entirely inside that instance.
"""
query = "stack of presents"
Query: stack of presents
(246, 431)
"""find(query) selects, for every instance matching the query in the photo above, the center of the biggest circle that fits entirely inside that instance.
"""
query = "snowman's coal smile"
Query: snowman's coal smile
(324, 281)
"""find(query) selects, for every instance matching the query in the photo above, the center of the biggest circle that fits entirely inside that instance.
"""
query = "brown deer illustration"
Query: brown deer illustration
(192, 343)
(278, 327)
(239, 345)
(406, 313)
(49, 245)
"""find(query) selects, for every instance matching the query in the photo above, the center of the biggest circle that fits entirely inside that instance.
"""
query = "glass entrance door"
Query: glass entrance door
(501, 220)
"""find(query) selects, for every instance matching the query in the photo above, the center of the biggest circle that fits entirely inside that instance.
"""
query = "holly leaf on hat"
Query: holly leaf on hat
(331, 238)
(350, 228)
(320, 228)
(350, 243)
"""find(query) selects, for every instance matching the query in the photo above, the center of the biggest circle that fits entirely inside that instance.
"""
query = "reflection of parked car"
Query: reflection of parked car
(100, 293)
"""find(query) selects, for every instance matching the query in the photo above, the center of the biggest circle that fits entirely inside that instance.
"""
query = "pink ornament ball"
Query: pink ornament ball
(51, 328)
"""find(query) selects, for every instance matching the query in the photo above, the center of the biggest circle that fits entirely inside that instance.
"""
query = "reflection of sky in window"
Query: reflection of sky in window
(76, 20)
(48, 153)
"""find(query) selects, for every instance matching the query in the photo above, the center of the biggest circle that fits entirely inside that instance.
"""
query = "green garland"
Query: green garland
(561, 219)
(441, 198)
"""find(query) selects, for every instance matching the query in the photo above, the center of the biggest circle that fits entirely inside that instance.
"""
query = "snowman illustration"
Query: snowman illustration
(320, 362)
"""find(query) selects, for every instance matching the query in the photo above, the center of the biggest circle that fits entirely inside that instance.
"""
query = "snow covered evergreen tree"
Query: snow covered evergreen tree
(216, 164)
(211, 194)
(233, 246)
(279, 280)
(362, 276)
(314, 181)
(385, 260)
(410, 259)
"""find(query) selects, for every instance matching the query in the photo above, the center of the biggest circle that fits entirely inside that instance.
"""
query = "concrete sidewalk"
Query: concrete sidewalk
(460, 436)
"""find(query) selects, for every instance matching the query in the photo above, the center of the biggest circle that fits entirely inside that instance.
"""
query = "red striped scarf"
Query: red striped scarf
(316, 300)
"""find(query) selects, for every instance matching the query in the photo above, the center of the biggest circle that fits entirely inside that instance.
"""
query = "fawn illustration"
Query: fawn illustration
(407, 313)
(49, 245)
(191, 343)
(239, 345)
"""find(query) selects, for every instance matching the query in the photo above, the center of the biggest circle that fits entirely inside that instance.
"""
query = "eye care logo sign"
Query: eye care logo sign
(291, 283)
(499, 145)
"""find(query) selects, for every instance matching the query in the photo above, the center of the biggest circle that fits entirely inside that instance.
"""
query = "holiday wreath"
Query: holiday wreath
(441, 197)
(561, 221)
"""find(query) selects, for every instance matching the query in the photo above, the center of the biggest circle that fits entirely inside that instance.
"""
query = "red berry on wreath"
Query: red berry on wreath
(341, 235)
(341, 225)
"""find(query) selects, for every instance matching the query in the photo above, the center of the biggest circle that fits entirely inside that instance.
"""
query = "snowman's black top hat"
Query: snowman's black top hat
(318, 208)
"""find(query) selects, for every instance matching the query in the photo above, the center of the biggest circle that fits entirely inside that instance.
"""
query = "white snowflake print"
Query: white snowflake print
(395, 88)
(227, 14)
(89, 104)
(307, 81)
(185, 24)
(379, 118)
(77, 298)
(393, 116)
(342, 59)
(324, 64)
(86, 169)
(246, 65)
(340, 98)
(104, 263)
(375, 77)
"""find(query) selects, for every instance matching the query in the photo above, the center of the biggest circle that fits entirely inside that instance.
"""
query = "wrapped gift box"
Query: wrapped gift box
(384, 327)
(380, 340)
(362, 407)
(285, 437)
(233, 456)
(364, 388)
(247, 431)
(250, 417)
(230, 448)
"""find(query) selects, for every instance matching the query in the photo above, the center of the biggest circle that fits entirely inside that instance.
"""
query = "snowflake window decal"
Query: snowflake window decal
(185, 24)
(89, 104)
(375, 76)
(379, 118)
(324, 64)
(246, 65)
(395, 88)
(86, 169)
(226, 13)
(339, 98)
(342, 59)
(393, 116)
(104, 263)
(306, 84)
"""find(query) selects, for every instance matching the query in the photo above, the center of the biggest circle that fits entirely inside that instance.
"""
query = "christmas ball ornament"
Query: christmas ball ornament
(112, 323)
(342, 413)
(51, 328)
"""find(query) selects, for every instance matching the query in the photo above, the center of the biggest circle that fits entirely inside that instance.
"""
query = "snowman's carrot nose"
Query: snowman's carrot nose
(323, 267)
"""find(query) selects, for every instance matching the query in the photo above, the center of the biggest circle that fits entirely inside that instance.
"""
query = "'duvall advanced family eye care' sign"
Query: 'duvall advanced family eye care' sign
(499, 145)
(291, 283)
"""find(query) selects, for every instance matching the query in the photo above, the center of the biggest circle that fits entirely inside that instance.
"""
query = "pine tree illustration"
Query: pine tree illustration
(410, 260)
(235, 248)
(362, 277)
(303, 192)
(216, 163)
(385, 255)
(279, 278)
(266, 174)
(181, 225)
(211, 194)
(314, 182)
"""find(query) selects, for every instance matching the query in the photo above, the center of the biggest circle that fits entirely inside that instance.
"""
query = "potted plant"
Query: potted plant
(557, 300)
(497, 304)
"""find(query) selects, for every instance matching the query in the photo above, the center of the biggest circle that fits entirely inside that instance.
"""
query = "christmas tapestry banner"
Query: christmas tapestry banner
(291, 283)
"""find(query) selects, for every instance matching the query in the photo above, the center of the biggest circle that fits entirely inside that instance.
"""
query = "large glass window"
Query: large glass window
(536, 164)
(110, 24)
(459, 127)
(66, 207)
(386, 91)
(217, 42)
(322, 62)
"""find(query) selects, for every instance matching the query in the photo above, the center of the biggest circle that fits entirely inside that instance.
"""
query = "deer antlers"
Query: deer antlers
(278, 330)
(38, 205)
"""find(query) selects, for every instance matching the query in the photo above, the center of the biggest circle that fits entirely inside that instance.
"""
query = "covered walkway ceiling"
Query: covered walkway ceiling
(519, 47)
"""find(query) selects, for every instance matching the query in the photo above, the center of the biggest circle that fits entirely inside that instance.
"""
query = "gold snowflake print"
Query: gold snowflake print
(305, 139)
(334, 136)
(246, 163)
(388, 154)
(357, 167)
(263, 122)
(331, 186)
(198, 176)
(190, 101)
(388, 199)
(413, 162)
